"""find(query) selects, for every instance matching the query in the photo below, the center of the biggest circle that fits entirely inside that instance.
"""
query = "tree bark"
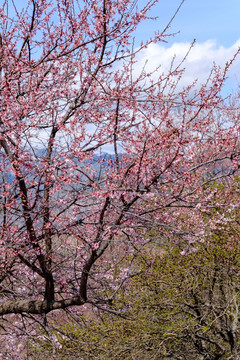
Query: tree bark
(38, 306)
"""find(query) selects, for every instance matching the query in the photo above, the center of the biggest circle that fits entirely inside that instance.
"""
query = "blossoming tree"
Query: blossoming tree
(94, 154)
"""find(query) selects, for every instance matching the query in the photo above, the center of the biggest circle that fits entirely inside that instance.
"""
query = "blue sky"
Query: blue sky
(215, 25)
(200, 19)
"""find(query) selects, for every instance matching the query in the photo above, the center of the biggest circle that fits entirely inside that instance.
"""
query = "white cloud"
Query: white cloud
(198, 63)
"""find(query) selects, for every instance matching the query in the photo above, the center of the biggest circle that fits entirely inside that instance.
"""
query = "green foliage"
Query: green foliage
(179, 307)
